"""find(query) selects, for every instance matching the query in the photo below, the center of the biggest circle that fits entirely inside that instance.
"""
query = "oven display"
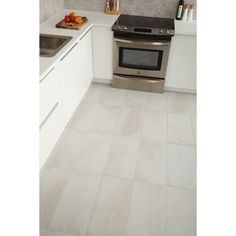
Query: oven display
(143, 59)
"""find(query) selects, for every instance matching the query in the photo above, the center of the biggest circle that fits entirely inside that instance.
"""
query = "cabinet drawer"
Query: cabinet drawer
(75, 72)
(49, 93)
(50, 131)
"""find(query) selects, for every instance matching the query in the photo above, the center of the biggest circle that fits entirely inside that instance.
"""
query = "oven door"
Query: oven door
(140, 58)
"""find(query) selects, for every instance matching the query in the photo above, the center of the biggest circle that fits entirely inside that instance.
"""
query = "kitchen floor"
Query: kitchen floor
(124, 166)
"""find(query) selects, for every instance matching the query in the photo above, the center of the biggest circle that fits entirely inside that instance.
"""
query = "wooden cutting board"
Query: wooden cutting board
(75, 26)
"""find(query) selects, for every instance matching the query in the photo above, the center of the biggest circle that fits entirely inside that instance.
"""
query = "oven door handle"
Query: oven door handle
(142, 42)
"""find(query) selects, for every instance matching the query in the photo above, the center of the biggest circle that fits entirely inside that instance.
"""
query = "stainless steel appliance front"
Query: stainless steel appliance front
(140, 58)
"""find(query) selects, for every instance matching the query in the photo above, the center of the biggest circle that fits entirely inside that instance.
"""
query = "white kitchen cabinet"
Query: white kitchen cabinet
(49, 93)
(86, 55)
(181, 69)
(76, 74)
(61, 90)
(51, 114)
(50, 131)
(102, 53)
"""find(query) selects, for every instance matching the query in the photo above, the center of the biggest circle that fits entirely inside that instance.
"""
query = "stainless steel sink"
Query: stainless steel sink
(50, 45)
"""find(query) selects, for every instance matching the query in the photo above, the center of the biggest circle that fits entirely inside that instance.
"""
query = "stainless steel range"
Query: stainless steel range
(140, 52)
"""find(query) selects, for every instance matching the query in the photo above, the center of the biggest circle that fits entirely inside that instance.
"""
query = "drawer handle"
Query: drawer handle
(48, 116)
(142, 42)
(47, 74)
(68, 52)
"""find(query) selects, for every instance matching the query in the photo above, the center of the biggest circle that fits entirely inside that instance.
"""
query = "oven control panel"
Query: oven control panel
(142, 30)
(122, 28)
(165, 31)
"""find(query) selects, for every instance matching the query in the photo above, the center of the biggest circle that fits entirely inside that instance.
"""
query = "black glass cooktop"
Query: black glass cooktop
(145, 21)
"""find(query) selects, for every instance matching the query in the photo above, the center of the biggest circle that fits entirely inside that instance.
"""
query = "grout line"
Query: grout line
(130, 204)
(85, 172)
(180, 114)
(135, 180)
(124, 178)
(59, 231)
(182, 188)
(139, 146)
(187, 145)
(92, 212)
(149, 183)
(166, 169)
(98, 132)
(59, 199)
(71, 170)
(57, 167)
(94, 204)
(191, 121)
(194, 131)
(109, 153)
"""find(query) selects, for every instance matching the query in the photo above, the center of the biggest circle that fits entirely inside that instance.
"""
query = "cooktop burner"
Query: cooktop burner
(144, 25)
(144, 21)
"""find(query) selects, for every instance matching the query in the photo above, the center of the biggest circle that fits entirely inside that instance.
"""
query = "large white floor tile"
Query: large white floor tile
(75, 206)
(78, 203)
(158, 102)
(129, 122)
(153, 125)
(137, 98)
(147, 212)
(42, 232)
(68, 147)
(181, 167)
(94, 154)
(181, 212)
(181, 103)
(114, 96)
(111, 210)
(151, 164)
(123, 157)
(83, 117)
(106, 118)
(194, 124)
(52, 184)
(94, 93)
(180, 129)
(54, 233)
(193, 105)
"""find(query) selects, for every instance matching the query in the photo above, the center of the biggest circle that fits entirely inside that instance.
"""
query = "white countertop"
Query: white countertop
(94, 18)
(48, 27)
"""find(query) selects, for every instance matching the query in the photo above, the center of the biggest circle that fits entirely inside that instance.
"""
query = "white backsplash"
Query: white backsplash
(160, 8)
(49, 7)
